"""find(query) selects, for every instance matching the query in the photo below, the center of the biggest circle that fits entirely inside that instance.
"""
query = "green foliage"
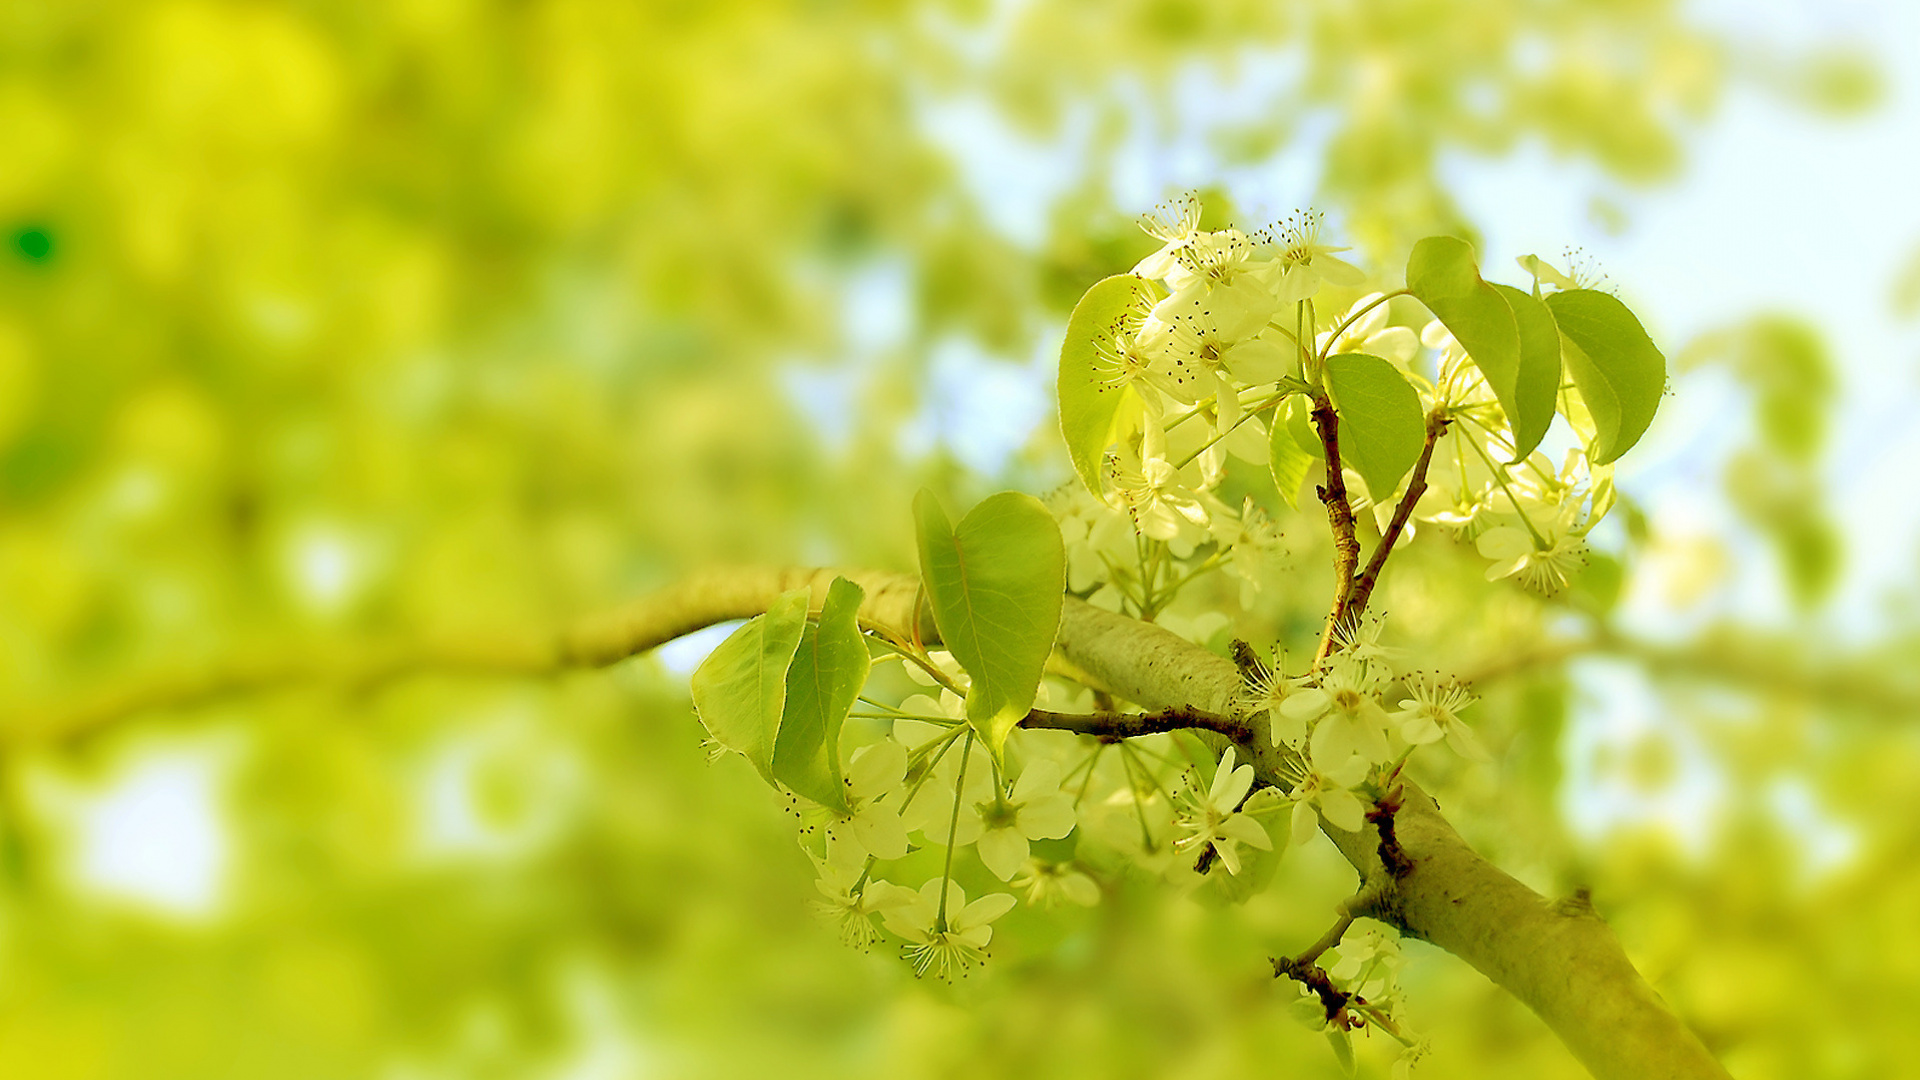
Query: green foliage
(740, 690)
(996, 584)
(1620, 373)
(1381, 423)
(1506, 333)
(1536, 386)
(1088, 399)
(828, 670)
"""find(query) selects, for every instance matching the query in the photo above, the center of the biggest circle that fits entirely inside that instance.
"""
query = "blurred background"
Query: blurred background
(326, 327)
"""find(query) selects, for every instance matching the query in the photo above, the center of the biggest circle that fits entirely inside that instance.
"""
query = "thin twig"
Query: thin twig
(1356, 602)
(1346, 546)
(1124, 725)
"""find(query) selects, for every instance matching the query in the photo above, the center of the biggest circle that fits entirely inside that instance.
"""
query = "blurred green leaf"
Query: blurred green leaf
(1619, 372)
(996, 585)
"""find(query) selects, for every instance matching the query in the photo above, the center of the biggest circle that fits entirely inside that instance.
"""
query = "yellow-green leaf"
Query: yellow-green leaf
(1442, 274)
(1619, 372)
(826, 675)
(1381, 426)
(1284, 454)
(1536, 383)
(1088, 402)
(996, 585)
(740, 690)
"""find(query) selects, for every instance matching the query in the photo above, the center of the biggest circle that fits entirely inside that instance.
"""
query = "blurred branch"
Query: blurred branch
(1881, 685)
(597, 641)
(1560, 960)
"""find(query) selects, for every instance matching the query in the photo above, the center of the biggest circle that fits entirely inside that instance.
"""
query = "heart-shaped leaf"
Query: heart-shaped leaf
(1442, 274)
(996, 585)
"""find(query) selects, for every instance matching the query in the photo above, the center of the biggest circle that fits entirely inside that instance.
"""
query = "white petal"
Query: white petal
(1343, 810)
(1337, 270)
(1003, 850)
(1461, 738)
(877, 768)
(1306, 704)
(878, 829)
(1304, 820)
(1047, 819)
(984, 910)
(1505, 542)
(1246, 830)
(1230, 855)
(1041, 778)
(1080, 889)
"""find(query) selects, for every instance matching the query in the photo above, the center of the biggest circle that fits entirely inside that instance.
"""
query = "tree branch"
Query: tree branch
(1356, 601)
(1346, 545)
(1122, 725)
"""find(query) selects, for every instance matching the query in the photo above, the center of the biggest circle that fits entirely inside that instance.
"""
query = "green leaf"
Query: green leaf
(1087, 405)
(740, 689)
(1619, 372)
(826, 675)
(996, 585)
(1536, 386)
(1442, 275)
(1289, 462)
(1300, 424)
(1381, 427)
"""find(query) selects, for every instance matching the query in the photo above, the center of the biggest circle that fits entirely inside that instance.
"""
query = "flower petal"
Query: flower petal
(1047, 819)
(1002, 850)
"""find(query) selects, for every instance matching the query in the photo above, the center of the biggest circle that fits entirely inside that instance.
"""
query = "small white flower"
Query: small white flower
(1036, 810)
(1254, 541)
(1543, 559)
(1303, 262)
(1174, 223)
(1347, 721)
(872, 823)
(1370, 334)
(1151, 492)
(1329, 795)
(1216, 820)
(851, 901)
(1433, 713)
(945, 943)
